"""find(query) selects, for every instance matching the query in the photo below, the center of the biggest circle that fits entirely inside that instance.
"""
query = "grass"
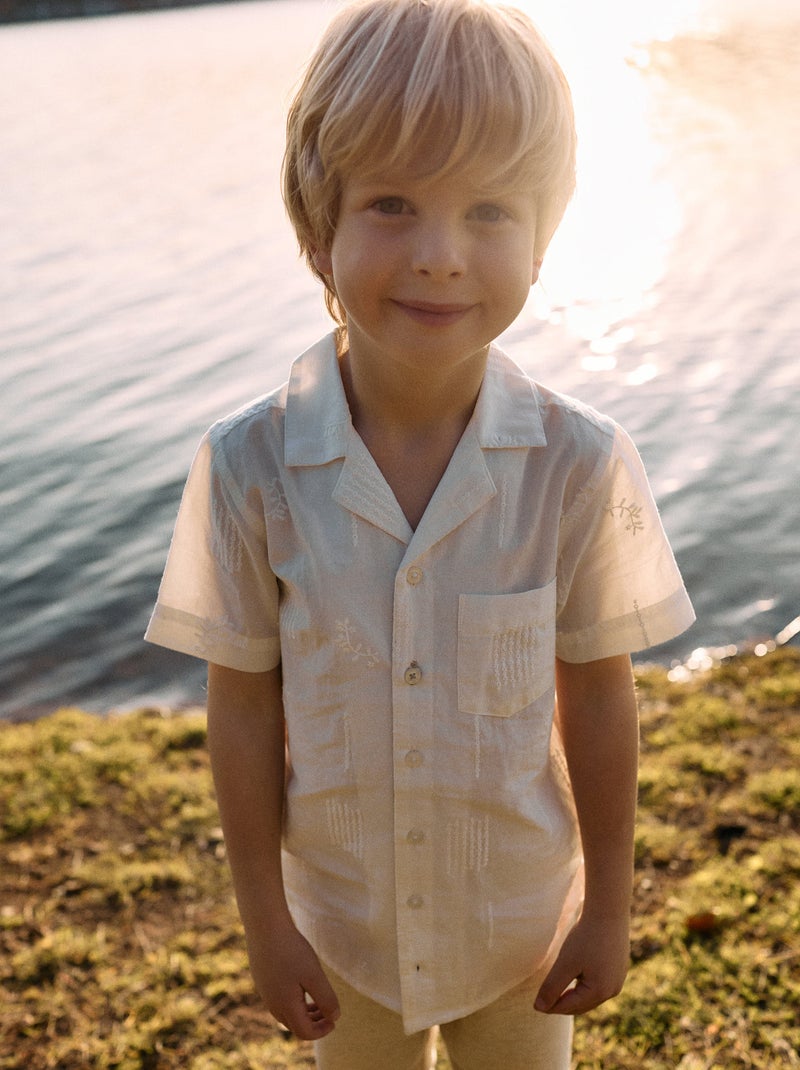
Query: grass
(120, 946)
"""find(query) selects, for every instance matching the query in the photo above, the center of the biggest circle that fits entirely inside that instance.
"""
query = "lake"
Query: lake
(150, 284)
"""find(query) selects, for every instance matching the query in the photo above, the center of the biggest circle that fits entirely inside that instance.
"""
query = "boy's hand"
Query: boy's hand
(290, 980)
(596, 956)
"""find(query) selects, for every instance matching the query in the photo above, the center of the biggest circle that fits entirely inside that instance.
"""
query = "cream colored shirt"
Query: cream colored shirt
(431, 853)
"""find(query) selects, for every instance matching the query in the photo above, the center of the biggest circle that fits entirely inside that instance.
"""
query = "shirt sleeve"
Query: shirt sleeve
(218, 598)
(620, 590)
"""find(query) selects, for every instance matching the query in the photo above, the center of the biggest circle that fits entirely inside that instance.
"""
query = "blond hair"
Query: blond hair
(438, 84)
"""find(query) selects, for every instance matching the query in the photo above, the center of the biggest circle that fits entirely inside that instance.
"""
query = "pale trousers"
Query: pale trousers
(507, 1035)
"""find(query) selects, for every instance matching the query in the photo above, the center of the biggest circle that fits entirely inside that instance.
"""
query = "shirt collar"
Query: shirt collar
(507, 413)
(318, 423)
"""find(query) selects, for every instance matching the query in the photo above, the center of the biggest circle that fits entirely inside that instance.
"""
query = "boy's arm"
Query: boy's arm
(599, 726)
(246, 740)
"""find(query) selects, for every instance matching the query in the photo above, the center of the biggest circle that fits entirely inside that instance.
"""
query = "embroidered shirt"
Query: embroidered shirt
(431, 852)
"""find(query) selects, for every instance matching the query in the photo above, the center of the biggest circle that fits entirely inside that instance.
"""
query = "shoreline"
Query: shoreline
(701, 659)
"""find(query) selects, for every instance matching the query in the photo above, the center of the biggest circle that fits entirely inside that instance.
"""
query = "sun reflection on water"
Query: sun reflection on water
(612, 249)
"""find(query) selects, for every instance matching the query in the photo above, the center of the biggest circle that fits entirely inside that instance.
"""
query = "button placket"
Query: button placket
(412, 697)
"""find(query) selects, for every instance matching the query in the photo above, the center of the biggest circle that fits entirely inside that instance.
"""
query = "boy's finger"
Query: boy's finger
(305, 1020)
(577, 999)
(321, 999)
(579, 996)
(562, 979)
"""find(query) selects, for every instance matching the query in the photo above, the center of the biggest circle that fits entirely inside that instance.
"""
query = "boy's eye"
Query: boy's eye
(390, 205)
(489, 213)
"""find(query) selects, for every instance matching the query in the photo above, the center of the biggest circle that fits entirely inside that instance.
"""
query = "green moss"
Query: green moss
(661, 844)
(119, 880)
(777, 789)
(713, 761)
(775, 692)
(56, 951)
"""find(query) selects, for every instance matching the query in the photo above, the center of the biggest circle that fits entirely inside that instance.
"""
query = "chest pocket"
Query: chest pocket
(506, 650)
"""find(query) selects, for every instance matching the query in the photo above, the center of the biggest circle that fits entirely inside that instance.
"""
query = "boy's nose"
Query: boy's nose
(439, 252)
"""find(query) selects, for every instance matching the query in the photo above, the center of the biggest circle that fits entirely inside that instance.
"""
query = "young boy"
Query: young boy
(395, 561)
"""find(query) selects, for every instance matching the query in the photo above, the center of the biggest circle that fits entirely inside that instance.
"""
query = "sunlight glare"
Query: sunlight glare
(612, 249)
(646, 371)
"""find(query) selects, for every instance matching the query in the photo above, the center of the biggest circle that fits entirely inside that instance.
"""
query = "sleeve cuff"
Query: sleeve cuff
(212, 641)
(638, 630)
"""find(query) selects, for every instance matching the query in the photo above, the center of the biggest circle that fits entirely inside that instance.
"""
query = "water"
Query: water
(150, 284)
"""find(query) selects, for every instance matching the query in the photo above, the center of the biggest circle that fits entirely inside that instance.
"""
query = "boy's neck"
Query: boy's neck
(411, 421)
(403, 402)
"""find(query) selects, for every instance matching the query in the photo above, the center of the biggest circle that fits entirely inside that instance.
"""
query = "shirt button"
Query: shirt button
(414, 758)
(414, 575)
(415, 836)
(413, 674)
(415, 902)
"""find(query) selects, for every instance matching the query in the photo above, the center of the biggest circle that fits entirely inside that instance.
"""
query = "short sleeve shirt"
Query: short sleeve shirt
(431, 850)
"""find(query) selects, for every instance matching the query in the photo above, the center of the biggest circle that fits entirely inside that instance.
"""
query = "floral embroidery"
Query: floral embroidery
(630, 512)
(276, 505)
(346, 641)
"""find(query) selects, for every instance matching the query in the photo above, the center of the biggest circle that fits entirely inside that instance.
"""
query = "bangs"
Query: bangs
(450, 85)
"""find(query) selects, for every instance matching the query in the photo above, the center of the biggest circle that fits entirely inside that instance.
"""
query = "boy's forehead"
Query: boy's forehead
(485, 176)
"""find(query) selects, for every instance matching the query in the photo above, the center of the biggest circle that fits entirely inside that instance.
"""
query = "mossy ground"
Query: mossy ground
(120, 946)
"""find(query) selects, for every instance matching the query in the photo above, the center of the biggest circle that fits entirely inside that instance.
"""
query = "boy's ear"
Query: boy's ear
(537, 267)
(322, 261)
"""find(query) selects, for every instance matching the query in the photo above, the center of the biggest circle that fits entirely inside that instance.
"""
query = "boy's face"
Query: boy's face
(430, 270)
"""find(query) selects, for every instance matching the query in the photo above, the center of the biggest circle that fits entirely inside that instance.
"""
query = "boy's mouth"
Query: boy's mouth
(432, 313)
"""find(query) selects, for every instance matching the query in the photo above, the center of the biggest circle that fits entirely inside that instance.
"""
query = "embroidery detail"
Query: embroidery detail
(346, 641)
(575, 511)
(630, 512)
(354, 528)
(276, 505)
(212, 634)
(293, 622)
(348, 743)
(477, 748)
(372, 491)
(227, 542)
(231, 422)
(640, 620)
(512, 656)
(503, 508)
(345, 827)
(467, 848)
